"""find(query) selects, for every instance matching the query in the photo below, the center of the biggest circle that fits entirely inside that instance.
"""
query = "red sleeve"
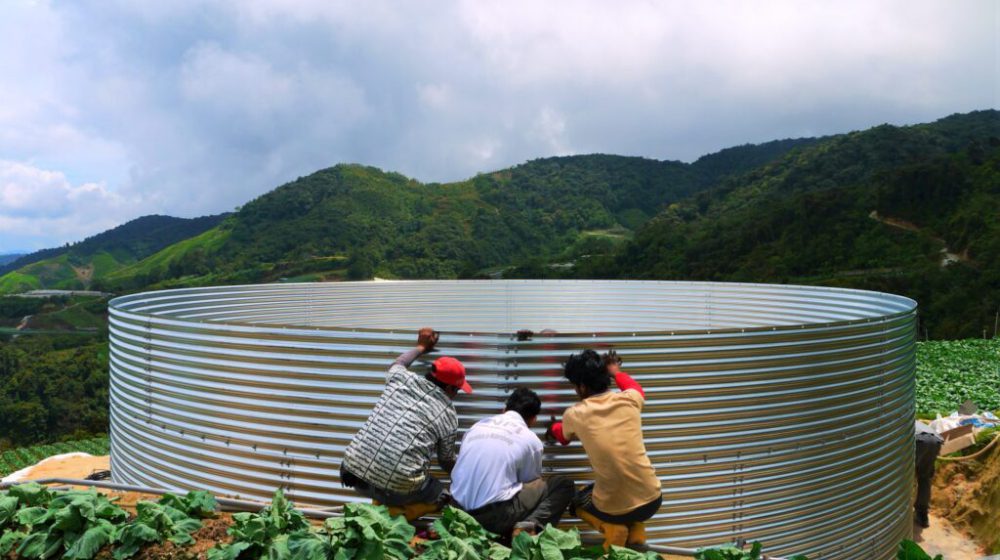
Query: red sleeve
(625, 382)
(558, 432)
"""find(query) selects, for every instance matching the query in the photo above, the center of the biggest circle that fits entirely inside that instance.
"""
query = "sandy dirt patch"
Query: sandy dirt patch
(942, 538)
(69, 465)
(80, 466)
(967, 493)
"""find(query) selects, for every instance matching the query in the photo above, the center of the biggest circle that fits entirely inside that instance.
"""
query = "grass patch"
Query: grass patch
(617, 233)
(155, 264)
(17, 282)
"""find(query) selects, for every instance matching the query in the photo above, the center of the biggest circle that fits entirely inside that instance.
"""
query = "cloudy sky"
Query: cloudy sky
(114, 109)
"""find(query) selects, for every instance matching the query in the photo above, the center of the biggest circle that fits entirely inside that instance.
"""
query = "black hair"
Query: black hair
(441, 384)
(525, 402)
(588, 369)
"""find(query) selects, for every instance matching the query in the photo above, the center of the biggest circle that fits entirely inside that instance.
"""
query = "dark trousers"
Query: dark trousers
(583, 500)
(539, 501)
(431, 492)
(928, 446)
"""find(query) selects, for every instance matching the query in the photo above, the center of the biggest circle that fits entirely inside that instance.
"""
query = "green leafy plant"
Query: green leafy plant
(621, 553)
(40, 524)
(264, 534)
(949, 372)
(75, 523)
(461, 536)
(11, 502)
(730, 552)
(364, 531)
(170, 519)
(551, 543)
(909, 550)
(195, 504)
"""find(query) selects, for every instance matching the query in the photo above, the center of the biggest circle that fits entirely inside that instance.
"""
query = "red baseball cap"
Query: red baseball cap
(450, 371)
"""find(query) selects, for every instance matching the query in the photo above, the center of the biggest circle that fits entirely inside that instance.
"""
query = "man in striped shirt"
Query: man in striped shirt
(413, 419)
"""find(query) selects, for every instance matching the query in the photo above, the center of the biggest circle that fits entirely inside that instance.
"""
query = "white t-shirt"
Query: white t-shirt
(497, 455)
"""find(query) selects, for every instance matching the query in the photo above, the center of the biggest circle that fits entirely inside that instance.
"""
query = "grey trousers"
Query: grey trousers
(539, 501)
(928, 446)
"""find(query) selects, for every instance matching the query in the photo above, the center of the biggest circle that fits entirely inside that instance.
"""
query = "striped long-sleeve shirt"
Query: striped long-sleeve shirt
(412, 420)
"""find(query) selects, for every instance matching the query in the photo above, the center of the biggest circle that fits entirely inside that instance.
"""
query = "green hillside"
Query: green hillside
(80, 265)
(911, 210)
(9, 258)
(351, 221)
(14, 282)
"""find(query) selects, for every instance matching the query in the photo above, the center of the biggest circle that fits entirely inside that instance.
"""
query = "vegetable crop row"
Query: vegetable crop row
(17, 459)
(951, 371)
(39, 524)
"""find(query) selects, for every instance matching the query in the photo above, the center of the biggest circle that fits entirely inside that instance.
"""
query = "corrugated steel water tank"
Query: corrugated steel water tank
(777, 413)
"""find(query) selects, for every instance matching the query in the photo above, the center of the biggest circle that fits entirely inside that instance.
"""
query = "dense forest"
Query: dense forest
(357, 222)
(54, 386)
(913, 210)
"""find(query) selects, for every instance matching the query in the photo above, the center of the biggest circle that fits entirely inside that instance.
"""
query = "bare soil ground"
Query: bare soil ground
(212, 532)
(967, 493)
(77, 466)
(944, 539)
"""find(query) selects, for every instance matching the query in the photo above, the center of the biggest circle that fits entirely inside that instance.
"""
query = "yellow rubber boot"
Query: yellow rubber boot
(636, 534)
(417, 510)
(614, 534)
(411, 512)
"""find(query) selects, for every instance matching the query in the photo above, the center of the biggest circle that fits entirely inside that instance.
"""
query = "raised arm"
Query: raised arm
(426, 340)
(623, 380)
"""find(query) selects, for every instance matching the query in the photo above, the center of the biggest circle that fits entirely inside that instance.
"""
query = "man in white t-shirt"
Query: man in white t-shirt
(497, 478)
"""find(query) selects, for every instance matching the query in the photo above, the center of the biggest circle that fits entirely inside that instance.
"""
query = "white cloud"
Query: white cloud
(193, 107)
(435, 96)
(550, 127)
(243, 85)
(32, 192)
(36, 204)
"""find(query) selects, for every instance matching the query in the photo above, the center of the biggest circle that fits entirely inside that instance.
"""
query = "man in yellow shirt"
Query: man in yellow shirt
(626, 491)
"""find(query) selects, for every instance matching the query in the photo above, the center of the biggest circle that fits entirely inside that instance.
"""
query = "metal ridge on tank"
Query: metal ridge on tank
(776, 413)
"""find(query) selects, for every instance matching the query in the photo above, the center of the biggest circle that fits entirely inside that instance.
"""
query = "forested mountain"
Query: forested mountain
(9, 258)
(357, 222)
(76, 266)
(912, 210)
(738, 159)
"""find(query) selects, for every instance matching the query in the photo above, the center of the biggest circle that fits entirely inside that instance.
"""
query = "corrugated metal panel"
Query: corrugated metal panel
(777, 413)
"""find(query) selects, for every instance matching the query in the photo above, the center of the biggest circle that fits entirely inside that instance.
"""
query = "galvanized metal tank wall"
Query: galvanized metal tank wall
(778, 413)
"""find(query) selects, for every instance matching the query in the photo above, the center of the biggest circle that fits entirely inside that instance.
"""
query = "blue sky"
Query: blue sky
(111, 109)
